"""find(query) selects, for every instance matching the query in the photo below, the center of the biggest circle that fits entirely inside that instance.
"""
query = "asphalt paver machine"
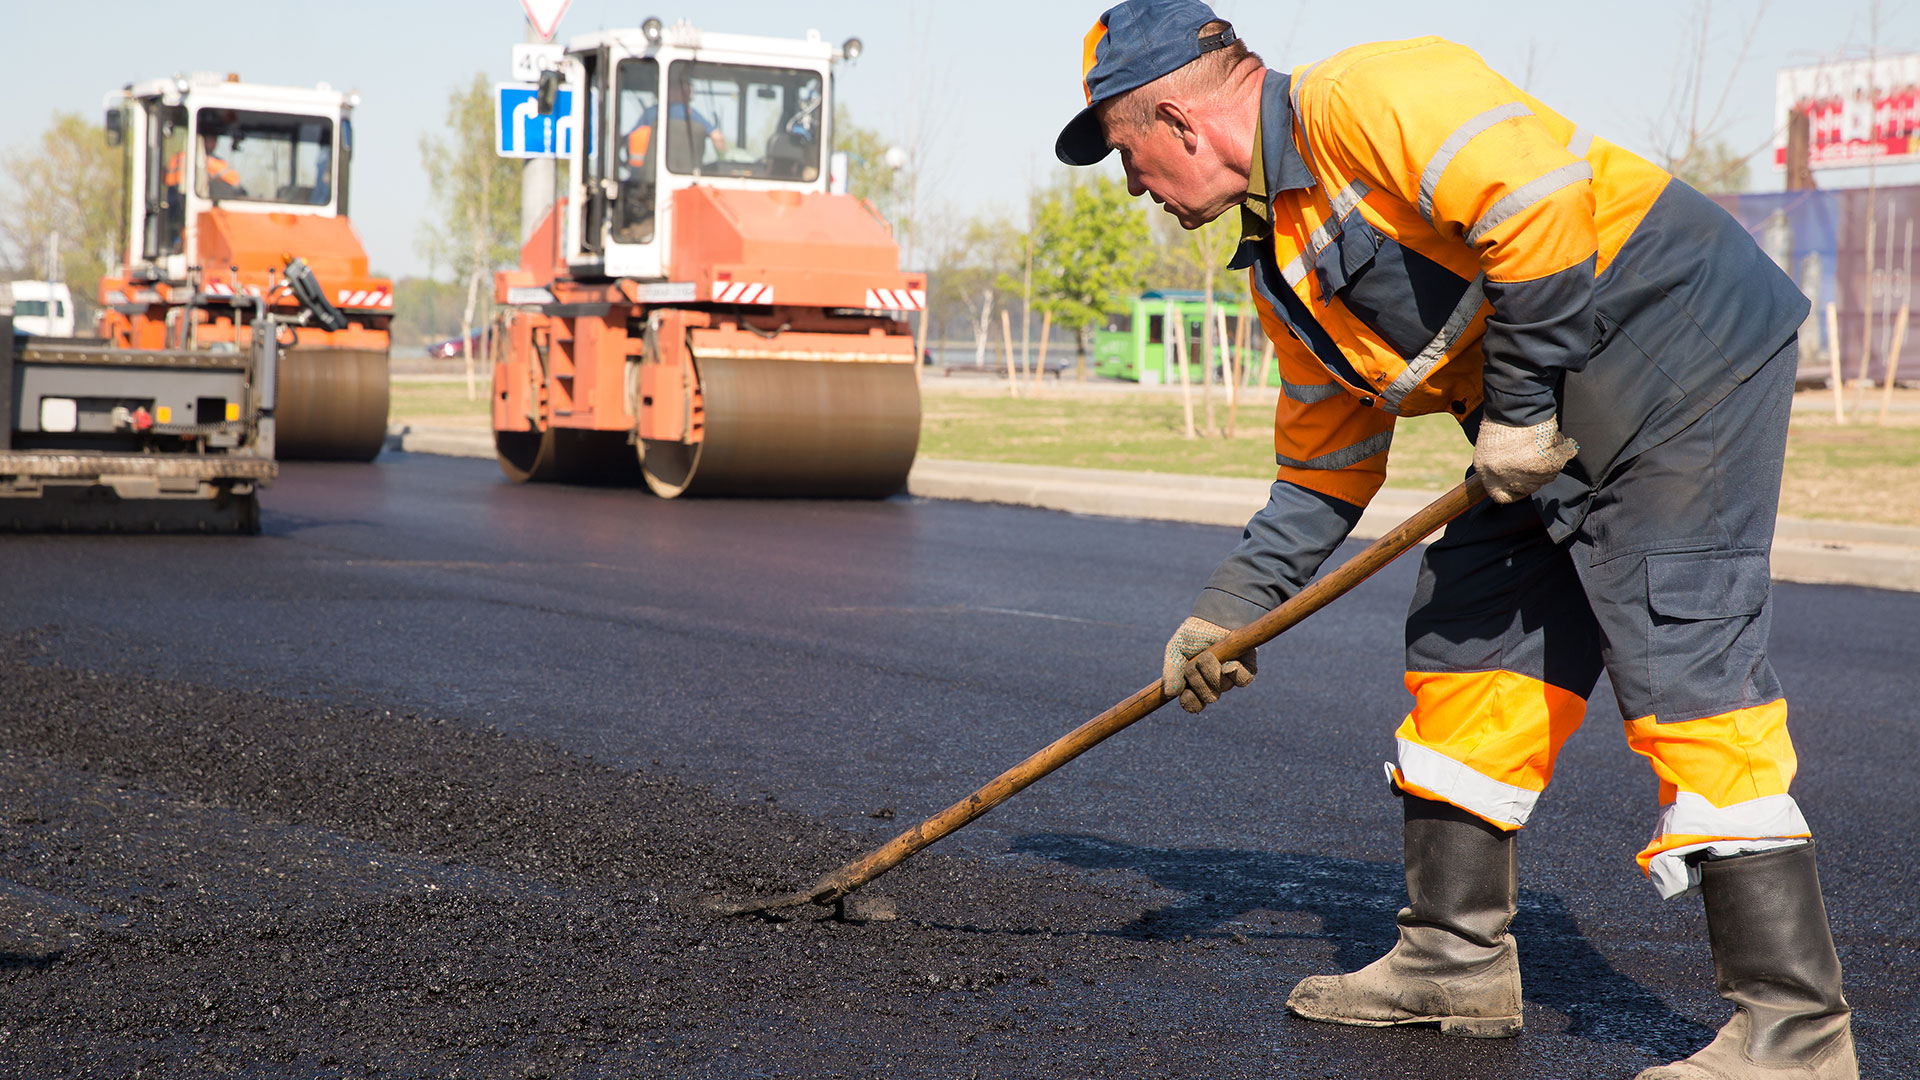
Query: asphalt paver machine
(96, 437)
(701, 307)
(225, 181)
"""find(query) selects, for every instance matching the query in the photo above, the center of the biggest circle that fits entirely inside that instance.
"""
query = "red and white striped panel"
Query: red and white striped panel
(219, 288)
(364, 298)
(742, 292)
(896, 299)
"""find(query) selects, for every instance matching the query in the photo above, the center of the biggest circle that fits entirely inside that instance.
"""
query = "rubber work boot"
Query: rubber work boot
(1455, 963)
(1773, 958)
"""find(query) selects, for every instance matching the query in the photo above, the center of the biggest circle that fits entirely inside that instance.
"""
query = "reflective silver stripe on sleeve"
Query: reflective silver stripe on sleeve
(1308, 393)
(1340, 459)
(1580, 143)
(1342, 205)
(1348, 198)
(1461, 136)
(1420, 366)
(1294, 90)
(1293, 272)
(1526, 195)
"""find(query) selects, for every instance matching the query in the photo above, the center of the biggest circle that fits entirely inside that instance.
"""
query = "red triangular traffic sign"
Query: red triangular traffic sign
(545, 15)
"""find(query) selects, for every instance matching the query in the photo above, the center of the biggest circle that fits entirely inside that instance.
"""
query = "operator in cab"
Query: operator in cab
(222, 180)
(680, 116)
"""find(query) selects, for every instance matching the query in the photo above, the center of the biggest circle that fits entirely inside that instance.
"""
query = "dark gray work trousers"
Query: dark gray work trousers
(1666, 587)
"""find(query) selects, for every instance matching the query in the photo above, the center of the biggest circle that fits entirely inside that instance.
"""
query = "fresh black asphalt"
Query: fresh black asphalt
(545, 701)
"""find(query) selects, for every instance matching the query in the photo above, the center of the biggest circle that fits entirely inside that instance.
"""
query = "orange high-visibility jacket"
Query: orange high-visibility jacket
(1447, 255)
(1442, 241)
(217, 169)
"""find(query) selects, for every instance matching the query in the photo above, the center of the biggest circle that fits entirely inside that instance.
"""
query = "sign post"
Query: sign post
(539, 177)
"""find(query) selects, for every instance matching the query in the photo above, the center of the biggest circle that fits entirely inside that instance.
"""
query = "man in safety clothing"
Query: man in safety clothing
(222, 180)
(1423, 236)
(699, 128)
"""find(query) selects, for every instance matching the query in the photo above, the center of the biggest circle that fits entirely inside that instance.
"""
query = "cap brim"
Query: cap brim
(1082, 141)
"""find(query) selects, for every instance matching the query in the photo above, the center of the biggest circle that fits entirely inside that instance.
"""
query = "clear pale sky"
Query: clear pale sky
(1004, 76)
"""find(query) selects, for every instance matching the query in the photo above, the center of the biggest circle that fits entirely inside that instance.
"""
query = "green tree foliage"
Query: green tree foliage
(426, 311)
(975, 274)
(1689, 134)
(1711, 167)
(477, 198)
(1187, 260)
(1090, 249)
(476, 194)
(68, 182)
(868, 175)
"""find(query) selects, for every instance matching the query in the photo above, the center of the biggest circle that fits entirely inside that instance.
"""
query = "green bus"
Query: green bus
(1133, 346)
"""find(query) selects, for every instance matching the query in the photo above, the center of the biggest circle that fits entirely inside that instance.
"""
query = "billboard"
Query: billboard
(1857, 111)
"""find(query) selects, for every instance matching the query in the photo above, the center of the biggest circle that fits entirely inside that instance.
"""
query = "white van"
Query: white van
(42, 308)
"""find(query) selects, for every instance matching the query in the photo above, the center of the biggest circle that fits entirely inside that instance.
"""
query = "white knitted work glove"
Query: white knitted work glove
(1199, 683)
(1515, 461)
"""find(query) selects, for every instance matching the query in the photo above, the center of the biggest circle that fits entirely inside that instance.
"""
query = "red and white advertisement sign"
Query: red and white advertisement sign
(1857, 111)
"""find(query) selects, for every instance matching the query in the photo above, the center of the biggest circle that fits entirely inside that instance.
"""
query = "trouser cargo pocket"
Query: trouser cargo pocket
(1707, 643)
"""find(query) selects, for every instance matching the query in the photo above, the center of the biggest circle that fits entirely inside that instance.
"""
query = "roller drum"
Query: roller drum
(332, 404)
(566, 456)
(794, 428)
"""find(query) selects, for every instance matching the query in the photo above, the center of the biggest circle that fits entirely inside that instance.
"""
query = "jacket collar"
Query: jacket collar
(1281, 166)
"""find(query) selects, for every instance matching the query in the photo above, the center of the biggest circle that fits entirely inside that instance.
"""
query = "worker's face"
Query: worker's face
(1174, 160)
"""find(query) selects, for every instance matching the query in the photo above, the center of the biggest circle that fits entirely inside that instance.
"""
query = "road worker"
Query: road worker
(1423, 236)
(698, 126)
(222, 179)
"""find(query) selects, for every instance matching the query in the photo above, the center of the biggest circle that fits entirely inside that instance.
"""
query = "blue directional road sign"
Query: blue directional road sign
(519, 129)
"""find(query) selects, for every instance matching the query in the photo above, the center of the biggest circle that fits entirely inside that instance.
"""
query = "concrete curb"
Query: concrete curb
(1813, 552)
(1201, 500)
(449, 441)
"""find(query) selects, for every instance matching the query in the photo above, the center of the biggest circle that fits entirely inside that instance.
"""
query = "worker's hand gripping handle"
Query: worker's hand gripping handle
(1319, 594)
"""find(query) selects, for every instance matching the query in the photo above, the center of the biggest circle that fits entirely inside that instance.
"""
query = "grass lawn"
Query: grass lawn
(1146, 432)
(1857, 472)
(1854, 472)
(440, 401)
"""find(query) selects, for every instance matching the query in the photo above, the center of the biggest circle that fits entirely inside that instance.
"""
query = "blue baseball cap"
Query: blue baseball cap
(1133, 44)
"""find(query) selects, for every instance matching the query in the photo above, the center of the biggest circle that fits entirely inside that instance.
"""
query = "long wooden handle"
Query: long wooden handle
(1142, 702)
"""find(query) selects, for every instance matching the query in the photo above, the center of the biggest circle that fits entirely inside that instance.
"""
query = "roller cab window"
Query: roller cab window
(636, 159)
(263, 157)
(164, 197)
(730, 120)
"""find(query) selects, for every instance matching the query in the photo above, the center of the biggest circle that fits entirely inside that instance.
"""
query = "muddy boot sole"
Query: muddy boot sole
(1465, 1027)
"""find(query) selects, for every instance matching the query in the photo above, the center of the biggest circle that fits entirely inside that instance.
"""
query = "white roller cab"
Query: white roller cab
(669, 107)
(202, 141)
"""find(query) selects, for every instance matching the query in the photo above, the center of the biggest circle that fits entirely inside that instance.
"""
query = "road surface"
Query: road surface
(427, 779)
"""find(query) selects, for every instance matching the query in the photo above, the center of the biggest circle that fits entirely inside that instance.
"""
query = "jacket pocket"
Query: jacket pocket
(1350, 250)
(1604, 331)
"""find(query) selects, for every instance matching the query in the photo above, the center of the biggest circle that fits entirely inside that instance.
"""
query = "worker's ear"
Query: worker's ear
(1176, 116)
